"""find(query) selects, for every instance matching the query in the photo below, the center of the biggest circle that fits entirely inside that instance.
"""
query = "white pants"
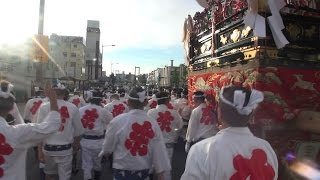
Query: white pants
(167, 174)
(90, 161)
(61, 165)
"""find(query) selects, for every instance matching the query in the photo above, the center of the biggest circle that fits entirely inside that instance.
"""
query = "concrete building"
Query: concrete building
(93, 57)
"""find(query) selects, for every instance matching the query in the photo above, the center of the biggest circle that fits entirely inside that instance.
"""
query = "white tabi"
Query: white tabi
(116, 107)
(201, 124)
(57, 148)
(77, 101)
(15, 141)
(170, 123)
(137, 145)
(94, 120)
(232, 154)
(32, 107)
(152, 103)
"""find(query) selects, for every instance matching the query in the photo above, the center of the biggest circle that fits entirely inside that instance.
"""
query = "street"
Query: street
(32, 167)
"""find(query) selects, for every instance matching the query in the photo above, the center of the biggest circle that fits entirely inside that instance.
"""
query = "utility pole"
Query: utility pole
(39, 68)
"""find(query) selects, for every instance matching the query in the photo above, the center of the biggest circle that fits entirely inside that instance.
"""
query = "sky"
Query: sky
(147, 33)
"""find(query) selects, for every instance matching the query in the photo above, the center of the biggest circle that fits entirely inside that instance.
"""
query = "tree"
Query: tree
(175, 78)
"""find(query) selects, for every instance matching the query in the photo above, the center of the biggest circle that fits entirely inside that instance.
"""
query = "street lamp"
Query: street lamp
(102, 55)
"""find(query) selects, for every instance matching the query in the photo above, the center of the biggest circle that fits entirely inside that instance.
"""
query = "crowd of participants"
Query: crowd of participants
(137, 131)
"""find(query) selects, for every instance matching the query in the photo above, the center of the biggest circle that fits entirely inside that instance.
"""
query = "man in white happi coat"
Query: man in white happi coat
(33, 105)
(16, 140)
(57, 149)
(152, 103)
(184, 110)
(94, 119)
(116, 107)
(77, 99)
(202, 123)
(14, 117)
(170, 123)
(136, 142)
(233, 153)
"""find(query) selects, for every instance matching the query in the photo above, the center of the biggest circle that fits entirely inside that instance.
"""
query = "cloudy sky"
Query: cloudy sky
(147, 33)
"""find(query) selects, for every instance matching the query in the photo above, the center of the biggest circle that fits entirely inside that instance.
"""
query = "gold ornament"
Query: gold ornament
(223, 39)
(235, 35)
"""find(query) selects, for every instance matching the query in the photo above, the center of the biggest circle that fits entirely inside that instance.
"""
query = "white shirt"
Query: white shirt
(94, 120)
(116, 107)
(121, 139)
(184, 109)
(201, 124)
(152, 103)
(88, 95)
(32, 108)
(77, 101)
(216, 157)
(169, 121)
(70, 126)
(19, 138)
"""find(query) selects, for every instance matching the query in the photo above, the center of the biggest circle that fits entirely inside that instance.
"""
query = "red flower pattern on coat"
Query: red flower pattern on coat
(207, 115)
(89, 118)
(5, 149)
(257, 167)
(153, 104)
(169, 105)
(76, 101)
(164, 121)
(139, 137)
(118, 109)
(35, 107)
(64, 114)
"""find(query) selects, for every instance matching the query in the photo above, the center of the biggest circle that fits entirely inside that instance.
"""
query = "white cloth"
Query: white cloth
(111, 107)
(20, 138)
(184, 109)
(88, 95)
(124, 100)
(16, 114)
(32, 108)
(167, 174)
(90, 161)
(121, 136)
(99, 125)
(215, 157)
(152, 103)
(77, 100)
(169, 128)
(69, 129)
(198, 129)
(61, 165)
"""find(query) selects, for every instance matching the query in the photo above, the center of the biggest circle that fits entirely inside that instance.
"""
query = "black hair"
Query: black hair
(136, 104)
(201, 97)
(185, 93)
(121, 92)
(6, 104)
(229, 113)
(162, 95)
(96, 97)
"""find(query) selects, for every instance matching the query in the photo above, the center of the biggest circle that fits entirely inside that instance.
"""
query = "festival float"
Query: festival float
(269, 45)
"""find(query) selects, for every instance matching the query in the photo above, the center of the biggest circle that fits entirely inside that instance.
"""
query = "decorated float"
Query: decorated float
(269, 45)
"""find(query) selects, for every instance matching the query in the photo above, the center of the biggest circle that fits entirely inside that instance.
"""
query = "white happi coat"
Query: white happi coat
(152, 103)
(169, 121)
(116, 108)
(94, 126)
(201, 124)
(232, 154)
(136, 142)
(124, 100)
(77, 101)
(70, 126)
(15, 141)
(32, 108)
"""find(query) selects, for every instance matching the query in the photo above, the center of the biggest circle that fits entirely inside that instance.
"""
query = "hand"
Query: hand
(51, 94)
(41, 156)
(187, 147)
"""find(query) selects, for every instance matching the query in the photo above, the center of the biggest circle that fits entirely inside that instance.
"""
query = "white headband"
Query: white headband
(142, 96)
(7, 94)
(162, 98)
(239, 98)
(60, 86)
(198, 96)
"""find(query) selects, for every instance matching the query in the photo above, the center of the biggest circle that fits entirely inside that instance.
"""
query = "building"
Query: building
(68, 54)
(93, 57)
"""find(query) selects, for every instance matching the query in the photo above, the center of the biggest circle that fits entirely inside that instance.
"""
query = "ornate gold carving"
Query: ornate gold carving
(310, 32)
(235, 35)
(223, 39)
(213, 63)
(206, 47)
(245, 31)
(294, 30)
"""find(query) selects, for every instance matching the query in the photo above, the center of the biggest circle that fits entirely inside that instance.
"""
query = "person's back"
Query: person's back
(234, 152)
(116, 107)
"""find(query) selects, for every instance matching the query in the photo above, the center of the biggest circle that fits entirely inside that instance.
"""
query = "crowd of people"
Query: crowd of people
(136, 131)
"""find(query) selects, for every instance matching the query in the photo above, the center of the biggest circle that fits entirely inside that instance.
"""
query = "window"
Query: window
(75, 46)
(73, 55)
(65, 54)
(72, 64)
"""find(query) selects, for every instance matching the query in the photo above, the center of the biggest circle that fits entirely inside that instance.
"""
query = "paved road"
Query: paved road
(178, 162)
